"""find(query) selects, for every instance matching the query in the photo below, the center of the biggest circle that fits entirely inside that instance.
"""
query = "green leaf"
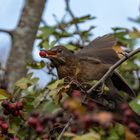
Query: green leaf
(81, 19)
(4, 94)
(137, 20)
(45, 44)
(55, 83)
(88, 136)
(135, 33)
(25, 82)
(29, 75)
(22, 83)
(2, 97)
(71, 47)
(36, 65)
(47, 31)
(52, 44)
(135, 104)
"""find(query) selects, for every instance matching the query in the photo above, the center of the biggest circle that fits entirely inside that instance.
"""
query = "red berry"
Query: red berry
(16, 113)
(49, 117)
(4, 126)
(12, 107)
(1, 118)
(42, 53)
(14, 138)
(19, 105)
(35, 114)
(133, 126)
(6, 112)
(39, 129)
(87, 121)
(33, 121)
(76, 114)
(5, 103)
(91, 105)
(66, 105)
(126, 120)
(74, 129)
(4, 131)
(45, 137)
(76, 94)
(95, 120)
(124, 106)
(87, 118)
(128, 113)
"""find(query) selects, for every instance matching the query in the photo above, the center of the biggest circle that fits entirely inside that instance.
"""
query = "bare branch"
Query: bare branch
(43, 22)
(71, 13)
(8, 32)
(112, 68)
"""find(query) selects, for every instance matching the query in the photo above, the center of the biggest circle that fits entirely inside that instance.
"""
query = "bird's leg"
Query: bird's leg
(125, 54)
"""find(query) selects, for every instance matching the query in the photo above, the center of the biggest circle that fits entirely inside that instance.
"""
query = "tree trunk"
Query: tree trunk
(23, 39)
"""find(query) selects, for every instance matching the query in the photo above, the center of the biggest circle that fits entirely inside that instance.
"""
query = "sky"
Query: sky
(109, 13)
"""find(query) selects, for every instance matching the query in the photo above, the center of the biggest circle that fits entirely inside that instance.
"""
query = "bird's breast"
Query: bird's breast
(66, 71)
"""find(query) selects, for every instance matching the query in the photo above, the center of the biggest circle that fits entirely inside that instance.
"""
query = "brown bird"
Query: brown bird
(90, 63)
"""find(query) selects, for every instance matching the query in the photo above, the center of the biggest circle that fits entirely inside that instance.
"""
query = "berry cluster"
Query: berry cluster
(87, 116)
(12, 108)
(34, 121)
(3, 125)
(48, 123)
(103, 119)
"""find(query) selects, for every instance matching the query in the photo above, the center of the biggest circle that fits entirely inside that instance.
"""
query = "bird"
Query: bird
(90, 63)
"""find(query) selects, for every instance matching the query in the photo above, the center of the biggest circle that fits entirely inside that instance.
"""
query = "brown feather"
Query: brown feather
(101, 48)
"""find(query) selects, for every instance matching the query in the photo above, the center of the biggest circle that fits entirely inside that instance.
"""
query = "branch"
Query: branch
(8, 32)
(64, 129)
(112, 68)
(71, 14)
(43, 22)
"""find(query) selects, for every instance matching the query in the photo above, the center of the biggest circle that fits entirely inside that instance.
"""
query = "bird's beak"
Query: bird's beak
(50, 54)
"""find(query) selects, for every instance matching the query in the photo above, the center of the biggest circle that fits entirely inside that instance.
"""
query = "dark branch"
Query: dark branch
(112, 68)
(71, 13)
(43, 22)
(8, 32)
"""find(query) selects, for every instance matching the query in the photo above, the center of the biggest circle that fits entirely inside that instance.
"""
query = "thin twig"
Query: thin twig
(43, 22)
(8, 32)
(70, 12)
(112, 68)
(64, 129)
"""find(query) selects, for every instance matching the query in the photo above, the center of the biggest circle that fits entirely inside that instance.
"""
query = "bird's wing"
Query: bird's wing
(102, 49)
(120, 84)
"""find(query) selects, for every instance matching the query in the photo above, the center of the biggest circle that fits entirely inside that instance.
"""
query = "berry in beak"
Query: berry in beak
(48, 53)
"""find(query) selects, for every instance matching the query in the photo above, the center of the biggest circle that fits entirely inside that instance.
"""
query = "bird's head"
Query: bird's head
(58, 55)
